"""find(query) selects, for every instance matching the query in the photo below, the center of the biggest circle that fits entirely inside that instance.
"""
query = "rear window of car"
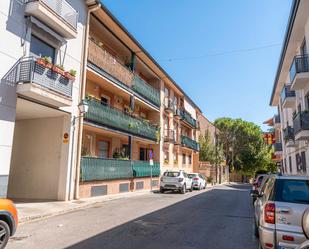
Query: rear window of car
(172, 174)
(192, 175)
(295, 191)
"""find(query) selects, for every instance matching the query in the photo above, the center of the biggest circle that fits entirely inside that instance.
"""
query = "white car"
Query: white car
(175, 180)
(198, 181)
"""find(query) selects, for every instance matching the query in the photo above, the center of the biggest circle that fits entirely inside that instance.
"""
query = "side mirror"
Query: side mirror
(254, 193)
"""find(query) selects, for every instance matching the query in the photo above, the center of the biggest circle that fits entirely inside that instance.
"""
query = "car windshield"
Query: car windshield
(192, 175)
(171, 174)
(295, 191)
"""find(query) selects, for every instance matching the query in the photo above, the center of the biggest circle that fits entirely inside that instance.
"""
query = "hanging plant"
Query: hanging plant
(71, 74)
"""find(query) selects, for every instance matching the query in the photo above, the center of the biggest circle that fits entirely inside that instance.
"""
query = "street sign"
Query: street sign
(151, 162)
(150, 154)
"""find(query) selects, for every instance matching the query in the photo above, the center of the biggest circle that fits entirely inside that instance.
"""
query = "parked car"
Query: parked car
(258, 181)
(304, 245)
(256, 192)
(198, 181)
(8, 221)
(281, 212)
(175, 180)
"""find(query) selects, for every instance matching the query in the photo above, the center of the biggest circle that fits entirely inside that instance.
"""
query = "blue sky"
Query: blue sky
(221, 82)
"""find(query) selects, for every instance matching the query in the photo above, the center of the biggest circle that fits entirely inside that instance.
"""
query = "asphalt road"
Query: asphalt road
(219, 218)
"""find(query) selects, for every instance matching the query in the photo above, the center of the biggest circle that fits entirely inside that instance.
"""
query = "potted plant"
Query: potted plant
(58, 69)
(71, 74)
(165, 161)
(45, 61)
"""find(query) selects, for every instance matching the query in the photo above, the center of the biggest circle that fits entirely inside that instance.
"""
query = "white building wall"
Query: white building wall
(15, 33)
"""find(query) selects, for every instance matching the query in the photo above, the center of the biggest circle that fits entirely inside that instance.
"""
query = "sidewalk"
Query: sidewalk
(29, 211)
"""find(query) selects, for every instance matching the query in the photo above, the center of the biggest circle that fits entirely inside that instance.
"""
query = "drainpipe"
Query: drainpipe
(93, 5)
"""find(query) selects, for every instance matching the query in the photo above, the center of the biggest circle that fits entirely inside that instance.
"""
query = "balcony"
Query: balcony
(100, 169)
(278, 147)
(147, 91)
(40, 82)
(169, 105)
(177, 113)
(115, 119)
(288, 97)
(187, 118)
(288, 135)
(57, 14)
(299, 72)
(169, 136)
(189, 143)
(301, 125)
(119, 74)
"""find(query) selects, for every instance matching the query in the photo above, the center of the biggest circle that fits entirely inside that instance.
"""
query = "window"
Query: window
(105, 100)
(298, 161)
(190, 159)
(183, 158)
(303, 162)
(39, 48)
(142, 154)
(103, 149)
(295, 191)
(171, 174)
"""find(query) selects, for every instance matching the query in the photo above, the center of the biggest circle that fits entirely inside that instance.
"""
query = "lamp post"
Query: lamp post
(83, 107)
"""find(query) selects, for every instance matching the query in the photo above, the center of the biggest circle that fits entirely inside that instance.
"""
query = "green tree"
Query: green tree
(243, 145)
(210, 151)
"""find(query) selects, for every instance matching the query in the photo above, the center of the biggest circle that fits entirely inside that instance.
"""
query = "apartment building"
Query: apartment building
(290, 91)
(41, 54)
(139, 122)
(84, 109)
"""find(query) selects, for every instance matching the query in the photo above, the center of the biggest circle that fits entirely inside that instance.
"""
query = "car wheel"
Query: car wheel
(183, 189)
(4, 234)
(162, 190)
(191, 189)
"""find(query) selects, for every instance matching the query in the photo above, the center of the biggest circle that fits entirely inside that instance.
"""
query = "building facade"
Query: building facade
(137, 115)
(290, 92)
(60, 55)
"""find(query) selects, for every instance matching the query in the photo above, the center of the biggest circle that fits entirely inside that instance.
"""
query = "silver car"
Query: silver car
(281, 212)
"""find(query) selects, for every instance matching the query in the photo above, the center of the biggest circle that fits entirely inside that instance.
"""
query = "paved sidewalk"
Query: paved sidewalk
(29, 211)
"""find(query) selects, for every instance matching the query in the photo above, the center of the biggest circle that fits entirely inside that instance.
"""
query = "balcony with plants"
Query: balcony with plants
(120, 73)
(40, 79)
(107, 116)
(57, 14)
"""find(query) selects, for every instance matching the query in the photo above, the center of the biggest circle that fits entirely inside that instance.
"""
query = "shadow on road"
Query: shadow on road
(217, 219)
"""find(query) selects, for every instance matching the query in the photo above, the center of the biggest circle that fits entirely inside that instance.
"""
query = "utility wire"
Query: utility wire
(221, 53)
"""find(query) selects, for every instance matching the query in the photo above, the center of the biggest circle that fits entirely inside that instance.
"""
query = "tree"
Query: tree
(243, 145)
(210, 152)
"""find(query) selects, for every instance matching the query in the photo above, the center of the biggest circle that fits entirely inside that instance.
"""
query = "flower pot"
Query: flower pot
(48, 65)
(58, 70)
(41, 62)
(69, 76)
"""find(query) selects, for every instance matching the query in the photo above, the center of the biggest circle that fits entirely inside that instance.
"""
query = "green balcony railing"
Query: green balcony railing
(146, 90)
(113, 118)
(143, 169)
(99, 169)
(95, 169)
(185, 116)
(188, 142)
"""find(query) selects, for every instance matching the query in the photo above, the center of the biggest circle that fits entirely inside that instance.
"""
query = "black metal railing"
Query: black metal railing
(300, 64)
(288, 133)
(190, 143)
(169, 104)
(301, 121)
(287, 92)
(278, 146)
(27, 70)
(169, 135)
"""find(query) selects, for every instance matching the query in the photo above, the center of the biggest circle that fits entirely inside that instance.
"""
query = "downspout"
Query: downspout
(91, 8)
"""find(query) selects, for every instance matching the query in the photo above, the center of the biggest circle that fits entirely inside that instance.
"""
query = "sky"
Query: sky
(223, 53)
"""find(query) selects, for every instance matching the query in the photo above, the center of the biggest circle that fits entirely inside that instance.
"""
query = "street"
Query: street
(218, 218)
